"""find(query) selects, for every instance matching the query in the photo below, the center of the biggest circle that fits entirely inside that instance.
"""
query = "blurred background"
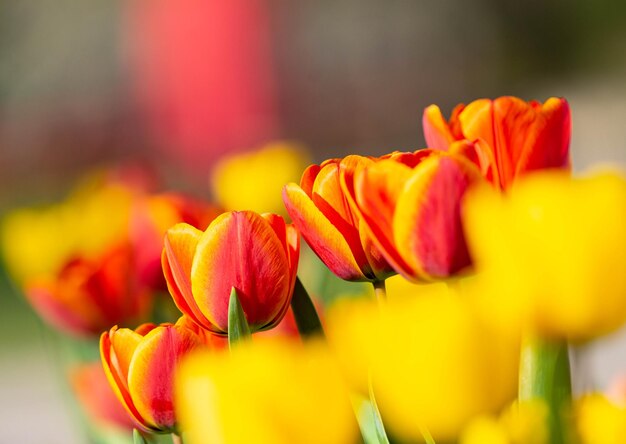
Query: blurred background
(176, 84)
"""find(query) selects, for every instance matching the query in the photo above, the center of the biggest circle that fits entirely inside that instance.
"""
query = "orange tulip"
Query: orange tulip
(322, 210)
(512, 136)
(255, 254)
(89, 295)
(140, 367)
(411, 204)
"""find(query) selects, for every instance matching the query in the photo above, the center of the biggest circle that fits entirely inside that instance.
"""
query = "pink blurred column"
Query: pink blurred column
(202, 73)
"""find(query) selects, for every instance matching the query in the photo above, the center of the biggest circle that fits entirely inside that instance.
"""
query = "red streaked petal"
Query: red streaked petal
(321, 235)
(553, 130)
(436, 130)
(427, 222)
(241, 250)
(117, 382)
(180, 245)
(151, 374)
(377, 190)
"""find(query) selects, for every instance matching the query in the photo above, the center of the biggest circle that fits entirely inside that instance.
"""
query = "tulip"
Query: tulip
(255, 254)
(411, 205)
(600, 419)
(551, 253)
(267, 392)
(521, 423)
(321, 209)
(433, 362)
(89, 295)
(140, 366)
(513, 136)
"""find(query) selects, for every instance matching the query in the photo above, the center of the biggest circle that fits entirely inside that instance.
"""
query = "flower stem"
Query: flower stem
(380, 290)
(177, 439)
(545, 375)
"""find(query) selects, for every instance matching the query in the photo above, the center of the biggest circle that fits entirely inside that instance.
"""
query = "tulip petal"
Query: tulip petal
(118, 383)
(323, 237)
(180, 245)
(427, 223)
(551, 148)
(241, 250)
(436, 130)
(377, 190)
(330, 199)
(290, 238)
(349, 167)
(151, 373)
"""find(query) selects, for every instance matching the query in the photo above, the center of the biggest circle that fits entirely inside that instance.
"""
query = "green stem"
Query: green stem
(545, 375)
(307, 320)
(380, 290)
(177, 439)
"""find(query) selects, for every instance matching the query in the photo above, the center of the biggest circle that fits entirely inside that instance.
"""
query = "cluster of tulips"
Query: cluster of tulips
(487, 261)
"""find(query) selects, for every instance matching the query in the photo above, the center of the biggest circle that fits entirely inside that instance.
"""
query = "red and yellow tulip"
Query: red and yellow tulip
(89, 295)
(321, 208)
(513, 136)
(255, 254)
(411, 206)
(140, 366)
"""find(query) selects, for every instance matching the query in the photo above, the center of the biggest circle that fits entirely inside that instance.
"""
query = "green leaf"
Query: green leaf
(238, 327)
(138, 438)
(304, 312)
(381, 434)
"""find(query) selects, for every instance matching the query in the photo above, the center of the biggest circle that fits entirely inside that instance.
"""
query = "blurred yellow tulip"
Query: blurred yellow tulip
(551, 253)
(266, 392)
(434, 363)
(254, 180)
(38, 242)
(600, 420)
(521, 423)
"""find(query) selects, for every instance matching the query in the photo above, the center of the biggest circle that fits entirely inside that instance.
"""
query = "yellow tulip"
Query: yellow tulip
(521, 423)
(551, 253)
(434, 363)
(254, 180)
(269, 391)
(600, 420)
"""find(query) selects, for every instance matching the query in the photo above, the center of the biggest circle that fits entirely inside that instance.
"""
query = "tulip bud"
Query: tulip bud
(513, 136)
(140, 367)
(322, 210)
(255, 254)
(411, 205)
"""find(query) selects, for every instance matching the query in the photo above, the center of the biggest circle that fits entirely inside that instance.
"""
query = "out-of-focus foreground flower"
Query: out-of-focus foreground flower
(140, 366)
(552, 251)
(255, 254)
(272, 392)
(512, 136)
(254, 180)
(434, 363)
